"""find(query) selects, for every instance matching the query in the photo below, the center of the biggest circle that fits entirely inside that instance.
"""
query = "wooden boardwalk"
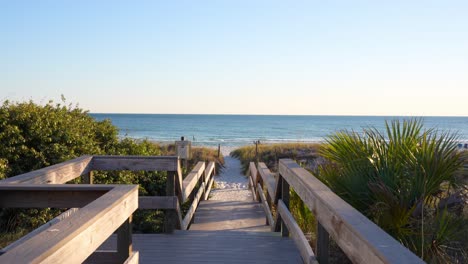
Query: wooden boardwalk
(222, 232)
(209, 231)
(230, 215)
(212, 247)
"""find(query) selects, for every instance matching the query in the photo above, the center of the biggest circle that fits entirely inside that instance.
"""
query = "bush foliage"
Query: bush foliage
(405, 180)
(34, 136)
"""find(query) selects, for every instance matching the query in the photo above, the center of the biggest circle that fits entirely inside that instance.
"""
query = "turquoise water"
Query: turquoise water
(239, 130)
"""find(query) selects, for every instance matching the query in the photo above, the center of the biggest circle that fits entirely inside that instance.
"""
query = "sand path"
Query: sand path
(231, 184)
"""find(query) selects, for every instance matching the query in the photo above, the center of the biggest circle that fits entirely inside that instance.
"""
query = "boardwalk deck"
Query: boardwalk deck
(212, 247)
(223, 231)
(230, 215)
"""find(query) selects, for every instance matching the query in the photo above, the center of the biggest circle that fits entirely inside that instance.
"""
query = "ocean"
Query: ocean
(240, 130)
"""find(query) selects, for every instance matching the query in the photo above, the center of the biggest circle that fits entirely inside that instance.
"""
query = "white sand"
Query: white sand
(231, 185)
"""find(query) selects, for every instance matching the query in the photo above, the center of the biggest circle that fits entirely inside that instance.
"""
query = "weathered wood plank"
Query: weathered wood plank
(57, 187)
(268, 179)
(124, 240)
(53, 196)
(208, 189)
(209, 181)
(135, 163)
(103, 257)
(134, 258)
(323, 244)
(88, 178)
(39, 229)
(72, 240)
(253, 172)
(230, 215)
(170, 215)
(252, 189)
(157, 202)
(255, 180)
(179, 216)
(189, 215)
(285, 199)
(178, 184)
(192, 179)
(58, 173)
(110, 257)
(230, 247)
(266, 207)
(296, 234)
(210, 168)
(360, 239)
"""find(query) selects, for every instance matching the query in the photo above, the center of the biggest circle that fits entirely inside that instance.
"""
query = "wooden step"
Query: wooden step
(212, 247)
(230, 215)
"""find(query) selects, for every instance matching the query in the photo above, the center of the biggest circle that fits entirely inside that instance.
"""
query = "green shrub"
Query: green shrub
(270, 154)
(34, 136)
(402, 180)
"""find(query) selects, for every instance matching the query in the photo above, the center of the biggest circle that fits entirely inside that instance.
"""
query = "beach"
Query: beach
(230, 184)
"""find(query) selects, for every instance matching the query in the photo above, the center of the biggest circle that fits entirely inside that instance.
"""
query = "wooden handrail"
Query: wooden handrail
(192, 179)
(158, 202)
(135, 163)
(266, 207)
(74, 238)
(296, 233)
(268, 178)
(253, 180)
(33, 190)
(360, 239)
(203, 191)
(189, 215)
(58, 173)
(36, 231)
(209, 171)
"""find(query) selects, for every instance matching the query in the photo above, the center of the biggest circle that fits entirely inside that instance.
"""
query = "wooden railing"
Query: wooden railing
(359, 238)
(103, 208)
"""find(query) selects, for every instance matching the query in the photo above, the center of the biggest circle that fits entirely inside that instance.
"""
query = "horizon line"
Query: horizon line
(227, 114)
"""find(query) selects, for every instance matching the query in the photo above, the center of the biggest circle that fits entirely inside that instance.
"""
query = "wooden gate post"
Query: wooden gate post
(285, 199)
(323, 241)
(88, 178)
(124, 240)
(170, 216)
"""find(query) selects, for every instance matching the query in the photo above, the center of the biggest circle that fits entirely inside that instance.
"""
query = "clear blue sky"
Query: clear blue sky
(246, 57)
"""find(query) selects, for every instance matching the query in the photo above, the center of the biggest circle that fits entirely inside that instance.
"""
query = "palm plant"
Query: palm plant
(401, 179)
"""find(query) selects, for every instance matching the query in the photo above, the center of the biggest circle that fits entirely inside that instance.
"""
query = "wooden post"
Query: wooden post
(170, 219)
(256, 151)
(124, 240)
(285, 199)
(88, 178)
(203, 180)
(323, 241)
(219, 150)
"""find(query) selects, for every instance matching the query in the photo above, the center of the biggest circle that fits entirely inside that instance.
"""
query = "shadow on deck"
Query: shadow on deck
(212, 247)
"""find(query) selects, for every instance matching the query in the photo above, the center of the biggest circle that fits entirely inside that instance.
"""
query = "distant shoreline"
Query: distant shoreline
(244, 130)
(284, 115)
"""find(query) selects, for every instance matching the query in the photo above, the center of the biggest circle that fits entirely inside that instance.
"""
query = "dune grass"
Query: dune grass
(271, 153)
(303, 153)
(447, 245)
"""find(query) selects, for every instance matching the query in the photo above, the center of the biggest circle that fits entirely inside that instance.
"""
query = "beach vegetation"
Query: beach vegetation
(305, 154)
(34, 136)
(407, 180)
